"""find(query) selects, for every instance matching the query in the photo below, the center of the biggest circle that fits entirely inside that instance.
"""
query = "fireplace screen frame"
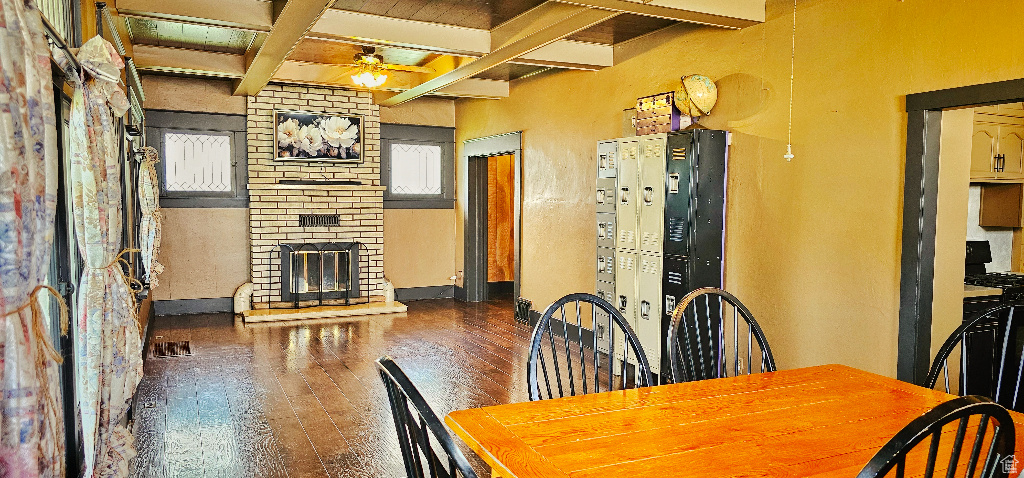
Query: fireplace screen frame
(293, 256)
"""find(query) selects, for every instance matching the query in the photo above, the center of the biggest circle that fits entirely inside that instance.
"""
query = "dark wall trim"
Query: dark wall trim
(917, 263)
(460, 293)
(417, 132)
(476, 152)
(920, 200)
(421, 293)
(1010, 91)
(193, 306)
(419, 204)
(183, 120)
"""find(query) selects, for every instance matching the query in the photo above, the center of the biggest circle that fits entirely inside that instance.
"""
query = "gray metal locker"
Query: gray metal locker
(625, 285)
(649, 307)
(606, 266)
(605, 230)
(652, 193)
(606, 195)
(606, 291)
(607, 158)
(626, 208)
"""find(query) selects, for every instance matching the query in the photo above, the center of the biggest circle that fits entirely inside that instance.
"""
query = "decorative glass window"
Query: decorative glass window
(415, 169)
(197, 162)
(417, 166)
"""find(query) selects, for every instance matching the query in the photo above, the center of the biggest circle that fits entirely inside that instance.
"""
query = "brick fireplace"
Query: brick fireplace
(276, 202)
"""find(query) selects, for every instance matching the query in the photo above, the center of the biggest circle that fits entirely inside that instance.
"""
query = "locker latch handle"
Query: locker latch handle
(600, 196)
(601, 231)
(622, 303)
(673, 183)
(600, 264)
(645, 310)
(670, 304)
(648, 195)
(624, 195)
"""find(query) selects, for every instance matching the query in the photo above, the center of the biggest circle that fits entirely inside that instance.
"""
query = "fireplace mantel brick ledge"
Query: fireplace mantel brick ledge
(274, 208)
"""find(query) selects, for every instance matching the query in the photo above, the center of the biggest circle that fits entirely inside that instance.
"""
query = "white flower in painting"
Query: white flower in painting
(310, 140)
(339, 132)
(288, 133)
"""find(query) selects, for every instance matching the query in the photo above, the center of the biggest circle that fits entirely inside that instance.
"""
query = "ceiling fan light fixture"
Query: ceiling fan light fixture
(370, 68)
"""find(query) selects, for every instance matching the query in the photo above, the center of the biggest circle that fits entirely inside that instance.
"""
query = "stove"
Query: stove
(979, 254)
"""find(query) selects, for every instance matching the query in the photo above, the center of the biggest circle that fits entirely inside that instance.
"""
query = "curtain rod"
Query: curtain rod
(55, 37)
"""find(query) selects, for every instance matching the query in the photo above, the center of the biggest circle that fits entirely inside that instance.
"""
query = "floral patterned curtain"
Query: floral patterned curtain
(31, 421)
(108, 347)
(149, 229)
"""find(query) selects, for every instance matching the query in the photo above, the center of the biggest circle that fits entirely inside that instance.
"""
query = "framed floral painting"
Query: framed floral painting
(305, 136)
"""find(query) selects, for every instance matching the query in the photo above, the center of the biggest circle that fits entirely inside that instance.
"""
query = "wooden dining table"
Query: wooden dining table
(827, 420)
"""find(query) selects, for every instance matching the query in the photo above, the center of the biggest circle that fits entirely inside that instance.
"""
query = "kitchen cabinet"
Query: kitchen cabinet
(1001, 205)
(997, 151)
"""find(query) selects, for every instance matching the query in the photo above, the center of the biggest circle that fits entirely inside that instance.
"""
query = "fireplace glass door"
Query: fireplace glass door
(319, 271)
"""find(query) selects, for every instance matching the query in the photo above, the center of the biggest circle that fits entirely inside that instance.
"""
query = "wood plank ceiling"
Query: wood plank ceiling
(435, 47)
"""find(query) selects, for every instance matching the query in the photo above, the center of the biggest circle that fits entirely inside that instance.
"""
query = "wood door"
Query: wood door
(500, 219)
(1011, 149)
(983, 150)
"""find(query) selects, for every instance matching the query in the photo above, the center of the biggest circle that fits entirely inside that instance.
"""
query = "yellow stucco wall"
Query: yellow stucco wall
(813, 245)
(419, 244)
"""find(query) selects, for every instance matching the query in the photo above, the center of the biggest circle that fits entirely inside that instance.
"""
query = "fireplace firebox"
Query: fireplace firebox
(318, 272)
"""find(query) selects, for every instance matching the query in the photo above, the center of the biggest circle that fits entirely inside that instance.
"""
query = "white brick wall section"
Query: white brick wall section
(274, 212)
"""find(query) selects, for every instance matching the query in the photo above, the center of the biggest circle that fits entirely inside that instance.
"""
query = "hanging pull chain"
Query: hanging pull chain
(792, 73)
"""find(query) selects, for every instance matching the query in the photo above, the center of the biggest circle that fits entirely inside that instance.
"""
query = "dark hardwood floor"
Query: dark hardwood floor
(305, 399)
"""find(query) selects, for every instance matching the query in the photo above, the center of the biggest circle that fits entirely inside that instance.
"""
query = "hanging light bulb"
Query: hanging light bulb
(370, 69)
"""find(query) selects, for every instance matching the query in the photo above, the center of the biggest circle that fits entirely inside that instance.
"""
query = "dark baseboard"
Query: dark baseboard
(193, 306)
(559, 328)
(495, 289)
(421, 293)
(460, 293)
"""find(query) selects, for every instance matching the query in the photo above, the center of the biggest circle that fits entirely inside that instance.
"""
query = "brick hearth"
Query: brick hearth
(274, 209)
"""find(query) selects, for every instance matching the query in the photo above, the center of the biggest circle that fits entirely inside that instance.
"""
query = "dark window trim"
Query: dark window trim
(159, 122)
(428, 135)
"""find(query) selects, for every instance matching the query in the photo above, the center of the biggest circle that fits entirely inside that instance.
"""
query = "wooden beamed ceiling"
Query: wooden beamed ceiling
(254, 42)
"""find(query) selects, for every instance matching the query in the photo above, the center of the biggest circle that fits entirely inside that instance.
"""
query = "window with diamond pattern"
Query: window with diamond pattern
(197, 162)
(415, 169)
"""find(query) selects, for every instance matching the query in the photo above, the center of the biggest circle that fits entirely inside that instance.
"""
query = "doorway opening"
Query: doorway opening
(493, 221)
(501, 254)
(969, 141)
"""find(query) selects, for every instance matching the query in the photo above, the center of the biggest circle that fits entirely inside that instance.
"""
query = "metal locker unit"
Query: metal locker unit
(606, 266)
(626, 207)
(708, 193)
(625, 285)
(652, 193)
(648, 323)
(607, 158)
(605, 291)
(606, 199)
(606, 230)
(606, 195)
(694, 241)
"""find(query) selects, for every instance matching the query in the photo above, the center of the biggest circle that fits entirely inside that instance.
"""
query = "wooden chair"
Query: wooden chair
(985, 426)
(579, 364)
(415, 425)
(986, 351)
(706, 328)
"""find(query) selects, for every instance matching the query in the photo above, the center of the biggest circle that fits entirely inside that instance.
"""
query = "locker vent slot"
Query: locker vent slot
(676, 228)
(679, 154)
(675, 278)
